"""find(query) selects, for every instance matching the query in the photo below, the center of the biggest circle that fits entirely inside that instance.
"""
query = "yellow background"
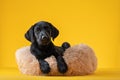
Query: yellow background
(92, 22)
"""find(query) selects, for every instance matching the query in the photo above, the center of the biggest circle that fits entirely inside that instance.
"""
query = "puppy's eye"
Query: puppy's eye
(46, 27)
(38, 29)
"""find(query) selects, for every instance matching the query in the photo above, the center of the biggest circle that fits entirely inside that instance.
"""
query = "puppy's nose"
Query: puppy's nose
(44, 38)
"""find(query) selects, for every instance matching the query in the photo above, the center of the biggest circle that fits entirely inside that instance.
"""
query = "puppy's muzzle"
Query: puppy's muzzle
(44, 38)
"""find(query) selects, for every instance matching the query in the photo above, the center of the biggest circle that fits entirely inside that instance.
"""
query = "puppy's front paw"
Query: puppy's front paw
(62, 67)
(44, 66)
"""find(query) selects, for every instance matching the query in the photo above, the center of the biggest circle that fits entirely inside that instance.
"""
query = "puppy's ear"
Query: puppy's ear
(54, 31)
(29, 35)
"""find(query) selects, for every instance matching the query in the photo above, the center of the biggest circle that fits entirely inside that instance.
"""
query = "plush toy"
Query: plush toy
(80, 60)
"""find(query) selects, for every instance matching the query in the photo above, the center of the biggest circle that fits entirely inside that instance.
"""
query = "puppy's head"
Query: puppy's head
(42, 32)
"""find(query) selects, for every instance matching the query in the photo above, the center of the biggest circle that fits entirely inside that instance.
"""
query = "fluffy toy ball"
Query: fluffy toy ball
(80, 59)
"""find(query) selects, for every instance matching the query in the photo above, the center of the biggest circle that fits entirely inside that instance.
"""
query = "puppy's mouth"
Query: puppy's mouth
(45, 42)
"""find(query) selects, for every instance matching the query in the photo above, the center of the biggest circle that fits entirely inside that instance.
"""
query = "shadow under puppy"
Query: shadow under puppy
(40, 35)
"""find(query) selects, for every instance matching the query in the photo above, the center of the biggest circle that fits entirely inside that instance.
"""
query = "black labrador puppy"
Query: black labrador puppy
(40, 35)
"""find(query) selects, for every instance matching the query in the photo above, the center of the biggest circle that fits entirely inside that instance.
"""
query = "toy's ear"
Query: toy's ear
(54, 31)
(29, 35)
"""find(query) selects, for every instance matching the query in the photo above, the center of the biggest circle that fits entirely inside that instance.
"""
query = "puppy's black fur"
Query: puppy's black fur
(40, 35)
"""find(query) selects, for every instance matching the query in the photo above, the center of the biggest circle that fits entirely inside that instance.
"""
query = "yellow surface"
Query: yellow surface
(93, 22)
(100, 74)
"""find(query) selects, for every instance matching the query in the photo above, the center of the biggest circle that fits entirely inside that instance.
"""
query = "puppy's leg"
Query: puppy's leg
(61, 64)
(65, 45)
(44, 66)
